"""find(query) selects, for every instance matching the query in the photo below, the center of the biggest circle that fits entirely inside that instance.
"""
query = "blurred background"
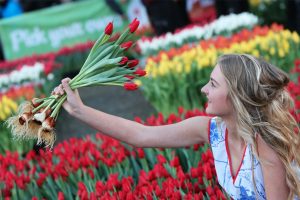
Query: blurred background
(177, 43)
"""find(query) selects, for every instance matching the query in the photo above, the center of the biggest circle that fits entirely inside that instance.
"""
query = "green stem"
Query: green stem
(49, 105)
(122, 37)
(102, 39)
(55, 112)
(89, 84)
(42, 105)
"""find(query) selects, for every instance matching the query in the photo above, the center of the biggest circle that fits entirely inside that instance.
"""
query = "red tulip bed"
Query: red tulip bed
(99, 167)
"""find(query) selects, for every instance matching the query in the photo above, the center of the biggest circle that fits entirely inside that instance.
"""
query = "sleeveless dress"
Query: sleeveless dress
(240, 186)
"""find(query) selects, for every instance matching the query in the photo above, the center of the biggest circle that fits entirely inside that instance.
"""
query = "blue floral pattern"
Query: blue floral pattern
(242, 187)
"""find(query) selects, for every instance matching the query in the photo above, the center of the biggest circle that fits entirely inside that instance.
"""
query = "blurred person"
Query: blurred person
(167, 15)
(32, 5)
(253, 137)
(225, 7)
(2, 4)
(116, 7)
(11, 8)
(201, 11)
(293, 15)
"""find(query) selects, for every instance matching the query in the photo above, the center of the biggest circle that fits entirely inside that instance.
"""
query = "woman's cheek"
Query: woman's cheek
(218, 105)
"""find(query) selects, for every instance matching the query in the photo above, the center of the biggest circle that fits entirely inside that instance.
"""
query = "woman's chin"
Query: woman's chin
(208, 111)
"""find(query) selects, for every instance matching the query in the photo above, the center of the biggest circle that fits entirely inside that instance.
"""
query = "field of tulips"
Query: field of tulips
(103, 168)
(176, 76)
(99, 167)
(224, 25)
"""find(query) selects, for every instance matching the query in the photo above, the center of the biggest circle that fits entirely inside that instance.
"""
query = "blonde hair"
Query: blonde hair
(262, 104)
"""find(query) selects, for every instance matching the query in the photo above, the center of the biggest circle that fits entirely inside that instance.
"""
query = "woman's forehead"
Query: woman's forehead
(217, 74)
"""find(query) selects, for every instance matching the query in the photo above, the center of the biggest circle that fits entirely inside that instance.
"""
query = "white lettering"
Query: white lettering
(65, 32)
(28, 38)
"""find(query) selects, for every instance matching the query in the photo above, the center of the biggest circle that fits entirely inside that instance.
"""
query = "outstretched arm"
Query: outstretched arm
(188, 132)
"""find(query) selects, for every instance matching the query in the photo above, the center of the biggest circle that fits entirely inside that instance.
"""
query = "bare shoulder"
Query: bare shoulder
(274, 172)
(200, 126)
(266, 152)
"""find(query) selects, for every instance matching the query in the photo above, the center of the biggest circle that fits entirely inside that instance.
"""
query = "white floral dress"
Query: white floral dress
(240, 186)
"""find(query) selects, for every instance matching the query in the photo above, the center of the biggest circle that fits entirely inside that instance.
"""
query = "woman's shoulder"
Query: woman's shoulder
(217, 130)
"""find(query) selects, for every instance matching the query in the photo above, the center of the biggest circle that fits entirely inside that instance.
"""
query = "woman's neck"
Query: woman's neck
(231, 126)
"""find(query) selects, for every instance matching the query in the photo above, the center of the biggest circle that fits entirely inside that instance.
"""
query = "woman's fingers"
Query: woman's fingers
(65, 86)
(58, 90)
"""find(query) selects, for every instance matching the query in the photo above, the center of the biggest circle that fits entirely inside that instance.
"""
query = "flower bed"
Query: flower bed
(103, 168)
(224, 25)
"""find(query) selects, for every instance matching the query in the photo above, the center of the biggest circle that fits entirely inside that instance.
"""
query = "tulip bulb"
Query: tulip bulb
(40, 116)
(35, 103)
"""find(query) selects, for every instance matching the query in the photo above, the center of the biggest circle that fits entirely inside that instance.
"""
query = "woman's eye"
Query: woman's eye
(212, 84)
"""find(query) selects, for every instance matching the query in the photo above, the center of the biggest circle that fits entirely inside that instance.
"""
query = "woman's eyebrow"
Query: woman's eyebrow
(212, 79)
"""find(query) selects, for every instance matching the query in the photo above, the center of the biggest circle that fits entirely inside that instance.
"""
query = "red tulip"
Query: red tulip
(161, 159)
(134, 25)
(60, 196)
(175, 162)
(126, 45)
(123, 61)
(129, 77)
(141, 153)
(133, 63)
(130, 86)
(210, 190)
(109, 28)
(140, 72)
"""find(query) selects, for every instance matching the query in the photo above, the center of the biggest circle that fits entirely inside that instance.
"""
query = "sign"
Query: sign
(50, 29)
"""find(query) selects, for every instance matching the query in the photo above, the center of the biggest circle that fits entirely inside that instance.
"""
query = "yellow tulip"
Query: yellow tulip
(254, 3)
(286, 46)
(255, 53)
(281, 53)
(272, 51)
(295, 37)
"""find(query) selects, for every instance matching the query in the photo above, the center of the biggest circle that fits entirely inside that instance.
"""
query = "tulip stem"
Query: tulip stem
(59, 103)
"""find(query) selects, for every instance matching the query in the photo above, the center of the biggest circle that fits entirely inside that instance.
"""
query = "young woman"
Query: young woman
(254, 138)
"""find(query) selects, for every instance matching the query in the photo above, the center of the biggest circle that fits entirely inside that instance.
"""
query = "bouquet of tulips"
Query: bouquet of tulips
(105, 65)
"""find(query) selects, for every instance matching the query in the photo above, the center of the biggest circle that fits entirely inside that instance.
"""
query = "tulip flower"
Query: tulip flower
(100, 68)
(130, 86)
(134, 25)
(109, 28)
(123, 61)
(140, 72)
(132, 63)
(126, 45)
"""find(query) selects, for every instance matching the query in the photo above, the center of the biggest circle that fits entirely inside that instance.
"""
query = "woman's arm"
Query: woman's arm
(188, 132)
(185, 133)
(273, 172)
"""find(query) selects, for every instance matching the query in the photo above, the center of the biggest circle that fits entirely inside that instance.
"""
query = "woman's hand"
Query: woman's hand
(73, 103)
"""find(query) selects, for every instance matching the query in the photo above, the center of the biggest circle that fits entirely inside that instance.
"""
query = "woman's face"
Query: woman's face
(216, 92)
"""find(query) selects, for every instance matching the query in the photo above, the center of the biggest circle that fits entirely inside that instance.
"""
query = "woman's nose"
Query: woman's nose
(204, 90)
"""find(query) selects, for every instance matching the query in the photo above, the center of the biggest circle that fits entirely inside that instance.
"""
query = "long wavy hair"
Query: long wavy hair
(262, 104)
